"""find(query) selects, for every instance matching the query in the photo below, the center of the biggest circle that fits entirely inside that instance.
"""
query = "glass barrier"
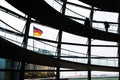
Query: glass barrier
(47, 49)
(78, 14)
(65, 55)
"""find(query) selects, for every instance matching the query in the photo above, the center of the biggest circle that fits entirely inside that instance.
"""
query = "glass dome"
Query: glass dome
(74, 48)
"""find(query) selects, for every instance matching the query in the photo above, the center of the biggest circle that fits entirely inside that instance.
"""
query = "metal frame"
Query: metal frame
(59, 48)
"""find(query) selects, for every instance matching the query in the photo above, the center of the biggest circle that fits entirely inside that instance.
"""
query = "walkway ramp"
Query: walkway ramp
(9, 50)
(46, 15)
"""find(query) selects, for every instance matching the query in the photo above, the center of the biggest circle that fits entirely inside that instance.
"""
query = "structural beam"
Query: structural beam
(119, 44)
(59, 41)
(89, 44)
(25, 42)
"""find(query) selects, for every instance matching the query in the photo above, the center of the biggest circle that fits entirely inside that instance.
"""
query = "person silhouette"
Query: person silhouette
(106, 26)
(87, 22)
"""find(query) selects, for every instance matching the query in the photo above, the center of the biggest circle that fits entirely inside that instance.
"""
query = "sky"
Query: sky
(50, 33)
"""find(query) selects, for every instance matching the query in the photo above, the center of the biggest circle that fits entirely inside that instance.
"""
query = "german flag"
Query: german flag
(37, 32)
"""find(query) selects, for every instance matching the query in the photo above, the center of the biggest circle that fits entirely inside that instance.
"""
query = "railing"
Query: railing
(80, 17)
(66, 54)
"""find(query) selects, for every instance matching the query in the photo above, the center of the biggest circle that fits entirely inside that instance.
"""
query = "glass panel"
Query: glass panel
(68, 52)
(103, 51)
(9, 64)
(39, 71)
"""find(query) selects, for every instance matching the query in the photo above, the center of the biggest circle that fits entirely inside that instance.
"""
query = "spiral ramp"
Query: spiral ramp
(54, 19)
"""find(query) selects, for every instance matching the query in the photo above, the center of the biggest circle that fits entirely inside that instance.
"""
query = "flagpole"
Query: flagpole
(33, 39)
(36, 32)
(34, 66)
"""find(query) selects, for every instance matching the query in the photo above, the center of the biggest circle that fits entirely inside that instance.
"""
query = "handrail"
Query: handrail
(71, 57)
(77, 44)
(22, 17)
(36, 38)
(10, 26)
(12, 13)
(71, 10)
(50, 16)
(29, 56)
(82, 15)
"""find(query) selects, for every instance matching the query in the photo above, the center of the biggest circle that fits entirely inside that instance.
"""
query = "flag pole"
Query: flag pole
(33, 39)
(33, 47)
